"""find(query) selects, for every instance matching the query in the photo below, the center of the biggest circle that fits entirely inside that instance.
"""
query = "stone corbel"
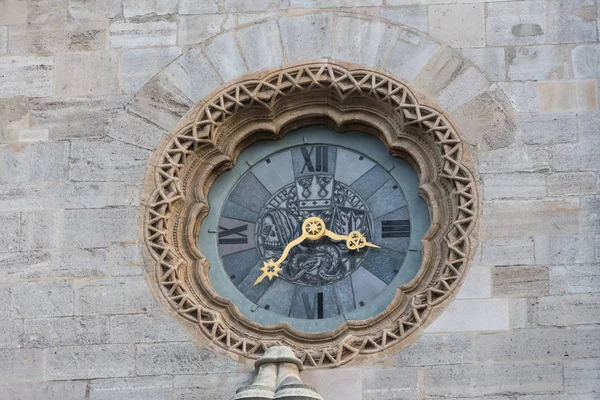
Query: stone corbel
(278, 377)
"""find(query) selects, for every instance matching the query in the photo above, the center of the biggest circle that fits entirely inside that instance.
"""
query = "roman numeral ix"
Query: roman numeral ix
(235, 235)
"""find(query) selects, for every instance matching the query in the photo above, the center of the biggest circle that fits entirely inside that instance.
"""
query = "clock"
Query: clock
(263, 254)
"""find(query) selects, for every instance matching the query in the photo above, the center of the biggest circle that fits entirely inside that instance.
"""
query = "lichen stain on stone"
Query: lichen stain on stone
(524, 30)
(586, 13)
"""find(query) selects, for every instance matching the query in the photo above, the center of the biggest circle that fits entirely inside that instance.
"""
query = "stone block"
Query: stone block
(91, 361)
(81, 74)
(180, 358)
(565, 96)
(126, 260)
(146, 32)
(539, 128)
(586, 61)
(21, 364)
(197, 28)
(226, 57)
(193, 75)
(138, 66)
(390, 383)
(461, 25)
(250, 18)
(332, 3)
(47, 11)
(20, 196)
(522, 95)
(55, 38)
(521, 314)
(123, 194)
(566, 250)
(437, 349)
(25, 265)
(520, 218)
(110, 225)
(136, 8)
(261, 45)
(33, 135)
(467, 86)
(42, 299)
(509, 251)
(130, 129)
(138, 388)
(65, 331)
(26, 76)
(587, 159)
(516, 23)
(40, 230)
(340, 383)
(34, 162)
(5, 300)
(107, 161)
(568, 310)
(556, 396)
(365, 42)
(478, 380)
(413, 16)
(572, 184)
(237, 6)
(198, 7)
(210, 386)
(472, 315)
(3, 39)
(114, 296)
(582, 376)
(68, 195)
(10, 234)
(144, 328)
(538, 62)
(84, 9)
(13, 12)
(14, 116)
(160, 103)
(572, 21)
(488, 121)
(64, 390)
(11, 334)
(443, 68)
(490, 60)
(514, 159)
(514, 186)
(477, 284)
(575, 279)
(410, 55)
(79, 263)
(520, 282)
(590, 221)
(307, 37)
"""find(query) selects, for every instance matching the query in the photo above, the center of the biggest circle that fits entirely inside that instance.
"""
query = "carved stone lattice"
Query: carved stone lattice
(267, 106)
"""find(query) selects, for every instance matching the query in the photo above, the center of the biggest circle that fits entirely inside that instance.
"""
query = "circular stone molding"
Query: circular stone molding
(267, 106)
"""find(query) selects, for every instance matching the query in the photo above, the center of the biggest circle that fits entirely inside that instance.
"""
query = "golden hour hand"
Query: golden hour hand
(354, 241)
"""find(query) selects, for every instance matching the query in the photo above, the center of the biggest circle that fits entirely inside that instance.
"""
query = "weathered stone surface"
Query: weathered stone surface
(522, 95)
(85, 9)
(514, 186)
(391, 383)
(250, 5)
(509, 251)
(520, 281)
(42, 299)
(307, 37)
(466, 87)
(65, 331)
(590, 222)
(47, 11)
(113, 296)
(20, 196)
(537, 344)
(126, 260)
(14, 116)
(586, 61)
(193, 75)
(516, 23)
(89, 36)
(138, 388)
(472, 315)
(443, 68)
(437, 349)
(346, 383)
(575, 279)
(130, 129)
(197, 28)
(79, 263)
(21, 364)
(563, 96)
(521, 314)
(143, 33)
(138, 66)
(461, 25)
(110, 225)
(10, 234)
(198, 7)
(564, 249)
(92, 361)
(477, 284)
(569, 310)
(582, 376)
(64, 390)
(33, 135)
(226, 57)
(479, 380)
(538, 62)
(410, 55)
(487, 121)
(572, 21)
(101, 161)
(123, 194)
(26, 76)
(572, 183)
(135, 8)
(75, 195)
(513, 218)
(13, 12)
(143, 328)
(3, 39)
(40, 230)
(210, 386)
(25, 265)
(519, 159)
(261, 46)
(414, 16)
(35, 162)
(80, 74)
(76, 117)
(332, 3)
(180, 358)
(364, 41)
(539, 128)
(490, 60)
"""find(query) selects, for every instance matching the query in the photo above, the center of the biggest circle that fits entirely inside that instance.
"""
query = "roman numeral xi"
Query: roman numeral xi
(235, 235)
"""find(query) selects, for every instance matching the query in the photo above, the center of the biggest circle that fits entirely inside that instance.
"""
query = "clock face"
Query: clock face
(262, 209)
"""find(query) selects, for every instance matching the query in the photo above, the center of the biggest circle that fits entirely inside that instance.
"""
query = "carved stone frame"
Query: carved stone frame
(267, 105)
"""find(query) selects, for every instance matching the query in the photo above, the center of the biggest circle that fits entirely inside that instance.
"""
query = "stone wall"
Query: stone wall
(88, 89)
